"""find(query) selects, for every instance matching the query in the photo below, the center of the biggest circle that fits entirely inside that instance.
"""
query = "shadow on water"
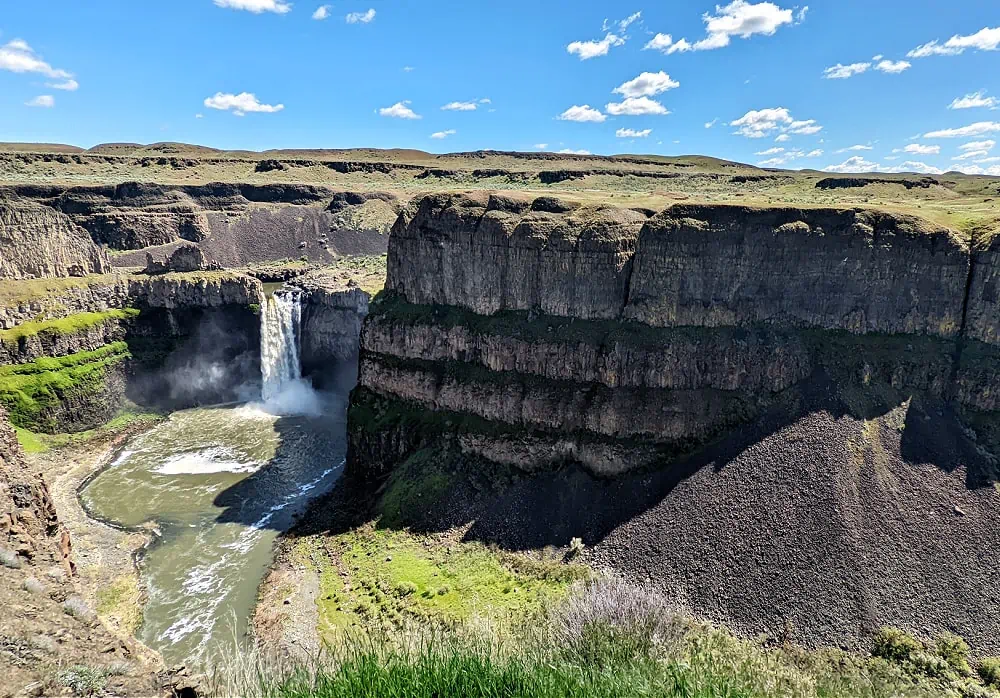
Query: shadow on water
(520, 512)
(309, 458)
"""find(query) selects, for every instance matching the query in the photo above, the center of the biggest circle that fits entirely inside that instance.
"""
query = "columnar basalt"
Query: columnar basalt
(574, 323)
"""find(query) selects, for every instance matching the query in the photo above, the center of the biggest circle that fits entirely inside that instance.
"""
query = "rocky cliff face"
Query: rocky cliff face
(233, 224)
(27, 515)
(168, 341)
(332, 313)
(544, 332)
(36, 241)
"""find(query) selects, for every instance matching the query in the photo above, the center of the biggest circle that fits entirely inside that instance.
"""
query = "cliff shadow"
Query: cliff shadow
(549, 508)
(308, 461)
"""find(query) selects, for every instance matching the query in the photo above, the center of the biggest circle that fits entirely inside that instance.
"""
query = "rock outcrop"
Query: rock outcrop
(550, 332)
(36, 242)
(332, 313)
(233, 224)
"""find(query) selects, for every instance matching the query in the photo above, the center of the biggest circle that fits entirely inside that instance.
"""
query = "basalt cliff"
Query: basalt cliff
(785, 417)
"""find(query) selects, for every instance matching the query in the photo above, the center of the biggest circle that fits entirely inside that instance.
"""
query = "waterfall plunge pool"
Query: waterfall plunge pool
(218, 484)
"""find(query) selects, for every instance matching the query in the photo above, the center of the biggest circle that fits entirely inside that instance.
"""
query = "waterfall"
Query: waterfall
(280, 323)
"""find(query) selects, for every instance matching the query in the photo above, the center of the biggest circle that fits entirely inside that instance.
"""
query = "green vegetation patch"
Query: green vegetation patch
(71, 324)
(126, 421)
(16, 292)
(121, 603)
(28, 390)
(374, 579)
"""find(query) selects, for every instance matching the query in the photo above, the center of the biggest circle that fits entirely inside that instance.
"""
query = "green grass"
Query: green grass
(128, 419)
(379, 579)
(607, 639)
(16, 292)
(64, 326)
(28, 390)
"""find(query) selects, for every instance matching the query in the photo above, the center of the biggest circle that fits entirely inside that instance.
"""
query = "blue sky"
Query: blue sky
(907, 83)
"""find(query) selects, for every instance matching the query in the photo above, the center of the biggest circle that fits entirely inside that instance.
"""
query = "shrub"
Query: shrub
(895, 645)
(955, 651)
(989, 671)
(575, 547)
(33, 585)
(406, 588)
(8, 558)
(89, 680)
(608, 621)
(929, 664)
(78, 608)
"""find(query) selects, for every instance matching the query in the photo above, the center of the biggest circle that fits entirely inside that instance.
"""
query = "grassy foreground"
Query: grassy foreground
(608, 639)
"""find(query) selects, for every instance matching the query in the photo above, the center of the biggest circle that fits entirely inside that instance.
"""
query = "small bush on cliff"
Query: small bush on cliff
(955, 651)
(989, 671)
(895, 645)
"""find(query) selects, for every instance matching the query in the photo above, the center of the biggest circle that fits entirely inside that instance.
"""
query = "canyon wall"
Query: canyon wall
(543, 332)
(73, 350)
(233, 224)
(36, 241)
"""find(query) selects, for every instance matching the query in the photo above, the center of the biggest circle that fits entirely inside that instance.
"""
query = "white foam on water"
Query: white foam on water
(207, 461)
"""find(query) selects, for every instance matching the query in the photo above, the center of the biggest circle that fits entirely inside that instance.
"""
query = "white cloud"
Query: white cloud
(45, 101)
(710, 124)
(460, 106)
(842, 72)
(980, 128)
(770, 151)
(853, 148)
(636, 106)
(441, 135)
(570, 151)
(772, 162)
(486, 100)
(647, 85)
(199, 116)
(893, 67)
(738, 18)
(978, 145)
(762, 122)
(399, 110)
(360, 17)
(805, 128)
(322, 12)
(70, 85)
(240, 104)
(542, 146)
(624, 24)
(972, 154)
(582, 113)
(977, 170)
(256, 6)
(986, 39)
(989, 159)
(664, 43)
(18, 57)
(859, 164)
(408, 68)
(801, 16)
(742, 19)
(877, 58)
(919, 149)
(974, 100)
(814, 153)
(632, 133)
(592, 49)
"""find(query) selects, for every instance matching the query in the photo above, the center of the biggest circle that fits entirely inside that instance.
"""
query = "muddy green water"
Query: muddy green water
(219, 484)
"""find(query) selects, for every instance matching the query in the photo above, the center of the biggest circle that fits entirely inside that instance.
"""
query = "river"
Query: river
(219, 484)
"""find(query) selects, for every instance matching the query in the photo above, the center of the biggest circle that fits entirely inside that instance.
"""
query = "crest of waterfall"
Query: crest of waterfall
(280, 323)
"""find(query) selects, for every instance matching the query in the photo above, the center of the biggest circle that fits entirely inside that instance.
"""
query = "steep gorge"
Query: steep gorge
(733, 403)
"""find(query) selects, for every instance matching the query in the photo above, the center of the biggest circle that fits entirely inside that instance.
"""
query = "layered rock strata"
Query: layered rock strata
(542, 332)
(36, 242)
